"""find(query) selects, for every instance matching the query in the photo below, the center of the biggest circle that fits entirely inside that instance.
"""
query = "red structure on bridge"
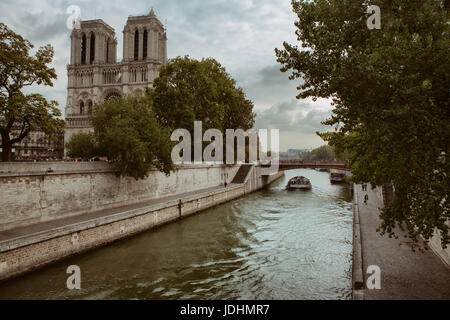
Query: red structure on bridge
(300, 164)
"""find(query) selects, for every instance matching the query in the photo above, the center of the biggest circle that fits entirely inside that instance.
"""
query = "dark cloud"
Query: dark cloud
(44, 29)
(36, 23)
(272, 76)
(268, 86)
(292, 116)
(311, 122)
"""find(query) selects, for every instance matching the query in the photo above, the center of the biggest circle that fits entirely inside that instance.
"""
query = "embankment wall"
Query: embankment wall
(37, 192)
(96, 186)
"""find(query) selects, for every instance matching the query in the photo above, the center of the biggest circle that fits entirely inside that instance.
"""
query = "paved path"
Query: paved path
(404, 274)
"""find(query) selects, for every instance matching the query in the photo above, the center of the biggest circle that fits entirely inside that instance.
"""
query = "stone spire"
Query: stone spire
(152, 13)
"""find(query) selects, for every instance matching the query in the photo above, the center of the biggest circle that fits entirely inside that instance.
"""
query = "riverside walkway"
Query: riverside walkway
(404, 274)
(21, 236)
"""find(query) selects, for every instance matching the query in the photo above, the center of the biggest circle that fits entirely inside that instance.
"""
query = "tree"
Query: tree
(391, 99)
(22, 113)
(127, 133)
(82, 145)
(325, 152)
(188, 90)
(321, 153)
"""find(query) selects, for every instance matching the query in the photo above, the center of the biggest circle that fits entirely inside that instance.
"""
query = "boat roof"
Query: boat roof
(298, 178)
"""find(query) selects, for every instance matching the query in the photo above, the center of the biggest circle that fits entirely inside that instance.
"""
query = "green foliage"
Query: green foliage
(82, 145)
(127, 133)
(188, 90)
(391, 99)
(22, 113)
(322, 153)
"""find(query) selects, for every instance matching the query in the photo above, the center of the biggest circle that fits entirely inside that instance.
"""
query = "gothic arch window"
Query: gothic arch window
(83, 49)
(144, 47)
(81, 107)
(112, 95)
(89, 106)
(136, 45)
(92, 55)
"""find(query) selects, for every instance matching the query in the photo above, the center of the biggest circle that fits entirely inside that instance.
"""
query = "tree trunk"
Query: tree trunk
(6, 148)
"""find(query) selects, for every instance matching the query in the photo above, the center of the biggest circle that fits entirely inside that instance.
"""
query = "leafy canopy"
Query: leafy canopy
(22, 113)
(325, 152)
(188, 90)
(390, 91)
(82, 145)
(127, 133)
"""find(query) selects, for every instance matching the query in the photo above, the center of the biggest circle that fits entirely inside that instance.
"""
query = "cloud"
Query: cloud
(311, 122)
(44, 27)
(298, 122)
(272, 76)
(293, 116)
(268, 86)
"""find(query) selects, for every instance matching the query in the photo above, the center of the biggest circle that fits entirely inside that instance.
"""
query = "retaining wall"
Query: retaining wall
(73, 239)
(32, 251)
(37, 192)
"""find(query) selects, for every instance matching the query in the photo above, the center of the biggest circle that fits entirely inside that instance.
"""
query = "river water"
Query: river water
(272, 244)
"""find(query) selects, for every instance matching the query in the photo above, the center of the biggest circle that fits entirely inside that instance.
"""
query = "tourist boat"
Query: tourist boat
(299, 183)
(336, 176)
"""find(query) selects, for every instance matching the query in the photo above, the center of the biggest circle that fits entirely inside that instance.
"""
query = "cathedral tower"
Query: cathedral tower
(144, 38)
(94, 74)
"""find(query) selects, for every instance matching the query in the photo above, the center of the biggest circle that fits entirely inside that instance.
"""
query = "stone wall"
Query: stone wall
(78, 239)
(43, 191)
(18, 256)
(435, 244)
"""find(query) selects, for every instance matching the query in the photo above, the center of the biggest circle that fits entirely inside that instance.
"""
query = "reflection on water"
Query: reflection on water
(273, 244)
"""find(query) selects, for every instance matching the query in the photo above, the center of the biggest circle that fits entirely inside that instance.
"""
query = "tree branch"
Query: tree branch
(22, 135)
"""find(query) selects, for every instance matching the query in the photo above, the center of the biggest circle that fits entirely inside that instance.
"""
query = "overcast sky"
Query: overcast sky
(240, 34)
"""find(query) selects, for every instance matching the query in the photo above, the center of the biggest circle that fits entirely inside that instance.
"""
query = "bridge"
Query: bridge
(300, 164)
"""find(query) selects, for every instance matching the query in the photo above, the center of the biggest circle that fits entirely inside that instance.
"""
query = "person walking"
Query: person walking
(366, 198)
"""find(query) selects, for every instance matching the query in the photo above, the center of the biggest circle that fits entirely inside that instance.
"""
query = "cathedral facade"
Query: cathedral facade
(94, 73)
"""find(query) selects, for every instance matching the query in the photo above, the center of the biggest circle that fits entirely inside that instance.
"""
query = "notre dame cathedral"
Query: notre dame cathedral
(95, 74)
